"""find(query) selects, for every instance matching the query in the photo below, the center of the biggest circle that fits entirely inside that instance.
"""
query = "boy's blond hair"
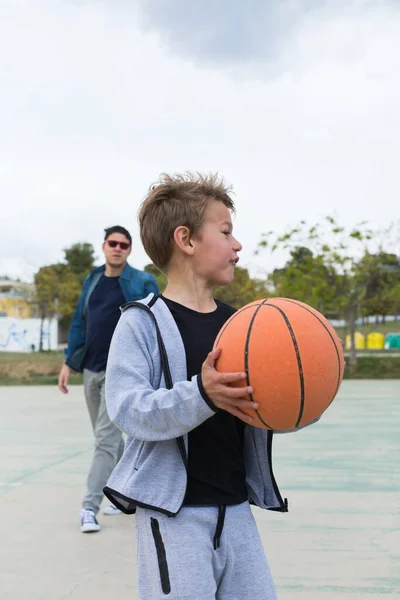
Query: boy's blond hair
(177, 200)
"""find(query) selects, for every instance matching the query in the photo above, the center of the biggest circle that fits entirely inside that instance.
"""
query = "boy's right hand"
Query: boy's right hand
(222, 395)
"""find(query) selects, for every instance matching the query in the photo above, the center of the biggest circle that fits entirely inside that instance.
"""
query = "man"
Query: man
(105, 289)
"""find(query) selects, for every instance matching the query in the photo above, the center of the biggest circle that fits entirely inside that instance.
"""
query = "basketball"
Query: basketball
(291, 355)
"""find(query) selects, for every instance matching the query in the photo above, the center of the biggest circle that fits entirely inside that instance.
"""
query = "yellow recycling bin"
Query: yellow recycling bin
(375, 341)
(359, 340)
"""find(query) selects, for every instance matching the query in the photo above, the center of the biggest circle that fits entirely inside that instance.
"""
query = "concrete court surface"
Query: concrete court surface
(340, 540)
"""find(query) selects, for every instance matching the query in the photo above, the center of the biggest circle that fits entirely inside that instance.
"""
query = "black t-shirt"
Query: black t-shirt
(216, 471)
(102, 318)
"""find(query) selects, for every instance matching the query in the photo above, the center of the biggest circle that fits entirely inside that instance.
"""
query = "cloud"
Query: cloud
(95, 104)
(238, 34)
(214, 31)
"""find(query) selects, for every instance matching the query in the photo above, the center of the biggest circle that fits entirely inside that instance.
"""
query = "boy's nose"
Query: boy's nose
(237, 245)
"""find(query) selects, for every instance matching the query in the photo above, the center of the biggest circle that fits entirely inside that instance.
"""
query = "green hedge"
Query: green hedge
(374, 367)
(38, 379)
(39, 369)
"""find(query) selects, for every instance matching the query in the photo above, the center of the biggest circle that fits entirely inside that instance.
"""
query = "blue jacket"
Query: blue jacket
(135, 285)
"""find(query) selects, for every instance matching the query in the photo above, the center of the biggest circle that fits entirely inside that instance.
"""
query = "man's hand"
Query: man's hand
(63, 378)
(224, 396)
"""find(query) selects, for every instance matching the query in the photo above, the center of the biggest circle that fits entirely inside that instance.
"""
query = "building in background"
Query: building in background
(16, 299)
(21, 329)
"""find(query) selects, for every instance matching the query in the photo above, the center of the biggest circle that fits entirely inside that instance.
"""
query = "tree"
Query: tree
(44, 296)
(395, 299)
(305, 276)
(328, 277)
(80, 259)
(382, 276)
(57, 291)
(160, 277)
(242, 290)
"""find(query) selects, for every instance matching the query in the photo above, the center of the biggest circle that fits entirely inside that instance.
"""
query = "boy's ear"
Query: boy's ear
(183, 239)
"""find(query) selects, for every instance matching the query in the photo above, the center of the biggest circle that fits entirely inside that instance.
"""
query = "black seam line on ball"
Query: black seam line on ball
(229, 321)
(246, 359)
(298, 357)
(333, 341)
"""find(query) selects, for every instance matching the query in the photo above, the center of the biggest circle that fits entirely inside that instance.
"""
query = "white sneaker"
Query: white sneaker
(111, 510)
(89, 523)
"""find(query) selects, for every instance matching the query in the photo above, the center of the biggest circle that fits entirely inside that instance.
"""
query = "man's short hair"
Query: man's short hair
(117, 229)
(174, 201)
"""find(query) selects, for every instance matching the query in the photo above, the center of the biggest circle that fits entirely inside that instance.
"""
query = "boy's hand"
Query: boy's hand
(224, 396)
(63, 378)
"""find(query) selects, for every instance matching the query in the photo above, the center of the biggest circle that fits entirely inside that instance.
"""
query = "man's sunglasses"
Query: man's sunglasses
(115, 244)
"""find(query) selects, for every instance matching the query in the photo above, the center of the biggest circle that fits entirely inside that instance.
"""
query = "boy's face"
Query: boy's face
(215, 248)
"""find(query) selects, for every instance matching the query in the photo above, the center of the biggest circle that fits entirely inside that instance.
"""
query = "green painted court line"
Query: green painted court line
(33, 472)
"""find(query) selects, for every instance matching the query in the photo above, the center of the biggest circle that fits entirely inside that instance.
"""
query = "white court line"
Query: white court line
(14, 484)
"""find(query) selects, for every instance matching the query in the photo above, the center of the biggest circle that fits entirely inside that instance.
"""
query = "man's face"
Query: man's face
(116, 249)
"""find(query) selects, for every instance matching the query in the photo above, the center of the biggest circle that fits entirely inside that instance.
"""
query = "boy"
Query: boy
(192, 464)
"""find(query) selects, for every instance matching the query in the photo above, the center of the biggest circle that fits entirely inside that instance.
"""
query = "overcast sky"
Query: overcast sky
(295, 102)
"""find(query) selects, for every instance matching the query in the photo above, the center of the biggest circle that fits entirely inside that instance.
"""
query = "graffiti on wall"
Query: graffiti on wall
(23, 335)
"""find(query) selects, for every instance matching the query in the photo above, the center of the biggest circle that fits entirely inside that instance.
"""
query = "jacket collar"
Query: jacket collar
(126, 273)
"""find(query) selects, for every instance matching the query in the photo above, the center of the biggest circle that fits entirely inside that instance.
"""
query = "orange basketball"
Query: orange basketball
(292, 357)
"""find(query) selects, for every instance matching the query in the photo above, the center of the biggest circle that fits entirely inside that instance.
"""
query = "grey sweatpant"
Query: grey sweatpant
(108, 442)
(187, 557)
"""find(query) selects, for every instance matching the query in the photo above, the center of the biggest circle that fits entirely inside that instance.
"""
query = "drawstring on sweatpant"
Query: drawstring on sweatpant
(220, 525)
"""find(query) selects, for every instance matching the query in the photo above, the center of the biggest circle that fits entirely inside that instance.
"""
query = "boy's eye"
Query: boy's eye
(226, 232)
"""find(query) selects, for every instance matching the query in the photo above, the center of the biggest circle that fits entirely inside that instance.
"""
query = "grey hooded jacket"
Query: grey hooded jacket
(150, 399)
